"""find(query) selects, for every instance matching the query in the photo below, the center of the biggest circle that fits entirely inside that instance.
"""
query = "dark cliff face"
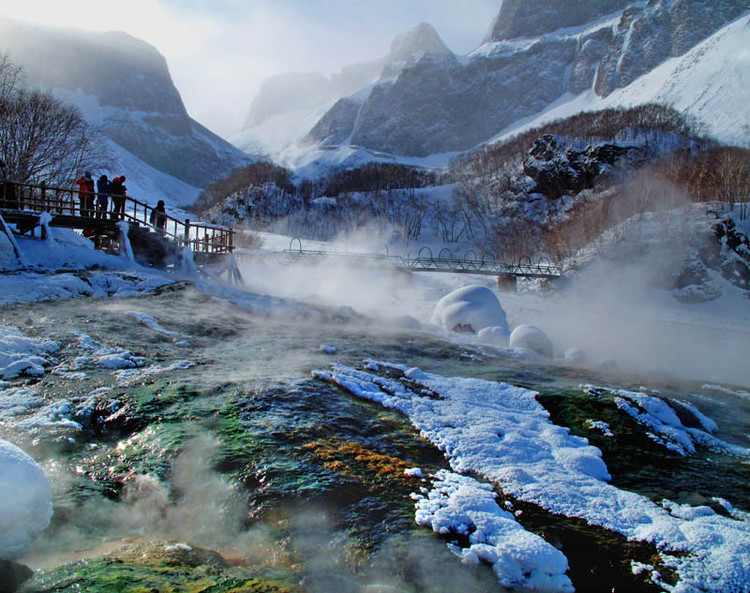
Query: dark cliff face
(531, 18)
(139, 106)
(646, 37)
(537, 51)
(120, 70)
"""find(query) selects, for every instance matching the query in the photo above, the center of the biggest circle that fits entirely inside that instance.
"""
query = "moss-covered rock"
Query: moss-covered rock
(157, 568)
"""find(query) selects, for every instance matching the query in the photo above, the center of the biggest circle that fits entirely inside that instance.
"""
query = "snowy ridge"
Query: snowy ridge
(502, 432)
(709, 83)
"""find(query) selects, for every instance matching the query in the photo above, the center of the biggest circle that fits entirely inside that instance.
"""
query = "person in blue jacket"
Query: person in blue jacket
(102, 196)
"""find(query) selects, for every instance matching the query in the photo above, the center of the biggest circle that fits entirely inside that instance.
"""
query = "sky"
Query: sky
(220, 51)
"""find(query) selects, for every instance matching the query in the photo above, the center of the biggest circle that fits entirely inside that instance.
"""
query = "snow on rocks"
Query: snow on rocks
(22, 355)
(129, 376)
(25, 501)
(530, 337)
(495, 336)
(664, 424)
(471, 308)
(502, 433)
(460, 504)
(17, 401)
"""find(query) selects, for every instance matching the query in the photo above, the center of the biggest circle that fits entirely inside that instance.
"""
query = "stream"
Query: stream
(218, 462)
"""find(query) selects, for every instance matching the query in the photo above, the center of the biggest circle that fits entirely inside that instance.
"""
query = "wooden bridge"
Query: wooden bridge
(445, 262)
(22, 204)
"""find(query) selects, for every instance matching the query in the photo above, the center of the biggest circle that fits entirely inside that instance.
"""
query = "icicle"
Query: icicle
(44, 219)
(11, 238)
(188, 265)
(125, 245)
(234, 270)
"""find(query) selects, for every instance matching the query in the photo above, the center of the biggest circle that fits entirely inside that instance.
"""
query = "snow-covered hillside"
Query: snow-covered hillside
(711, 83)
(689, 55)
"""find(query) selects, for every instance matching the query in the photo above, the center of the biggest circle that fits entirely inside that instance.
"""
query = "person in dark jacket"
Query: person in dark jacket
(102, 196)
(117, 190)
(8, 197)
(86, 194)
(158, 218)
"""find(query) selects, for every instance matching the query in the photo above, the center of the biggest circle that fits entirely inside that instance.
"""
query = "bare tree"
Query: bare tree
(11, 76)
(41, 138)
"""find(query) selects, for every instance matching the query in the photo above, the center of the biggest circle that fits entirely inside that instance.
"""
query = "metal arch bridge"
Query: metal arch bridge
(425, 261)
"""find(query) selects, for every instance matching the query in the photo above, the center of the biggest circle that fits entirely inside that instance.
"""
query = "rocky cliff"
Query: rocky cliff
(536, 51)
(281, 112)
(124, 89)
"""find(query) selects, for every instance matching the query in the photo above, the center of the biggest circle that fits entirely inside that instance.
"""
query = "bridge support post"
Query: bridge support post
(506, 283)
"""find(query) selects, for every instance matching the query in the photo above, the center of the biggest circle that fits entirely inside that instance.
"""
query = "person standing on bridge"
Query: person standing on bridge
(117, 190)
(102, 196)
(86, 194)
(158, 218)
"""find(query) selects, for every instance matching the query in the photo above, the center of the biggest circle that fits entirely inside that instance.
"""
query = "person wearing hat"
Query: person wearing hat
(158, 218)
(86, 194)
(117, 190)
(102, 196)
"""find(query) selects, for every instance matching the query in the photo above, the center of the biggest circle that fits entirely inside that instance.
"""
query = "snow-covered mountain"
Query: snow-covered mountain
(290, 106)
(124, 89)
(537, 56)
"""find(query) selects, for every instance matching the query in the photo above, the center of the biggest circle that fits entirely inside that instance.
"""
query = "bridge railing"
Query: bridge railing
(425, 261)
(200, 237)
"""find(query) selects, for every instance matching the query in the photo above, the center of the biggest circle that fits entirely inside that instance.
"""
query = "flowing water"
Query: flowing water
(288, 478)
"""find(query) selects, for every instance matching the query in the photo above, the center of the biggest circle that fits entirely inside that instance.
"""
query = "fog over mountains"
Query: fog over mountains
(535, 53)
(124, 89)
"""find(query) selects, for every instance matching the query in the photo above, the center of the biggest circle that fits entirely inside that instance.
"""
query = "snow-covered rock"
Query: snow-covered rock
(22, 355)
(497, 336)
(25, 501)
(531, 337)
(471, 309)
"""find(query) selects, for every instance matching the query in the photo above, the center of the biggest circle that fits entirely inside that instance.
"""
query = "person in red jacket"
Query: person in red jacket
(86, 194)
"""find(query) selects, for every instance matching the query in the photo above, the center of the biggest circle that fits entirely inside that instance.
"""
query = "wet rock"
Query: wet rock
(13, 575)
(559, 168)
(156, 566)
(328, 582)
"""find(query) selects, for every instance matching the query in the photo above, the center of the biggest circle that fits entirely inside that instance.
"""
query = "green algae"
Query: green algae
(639, 464)
(157, 568)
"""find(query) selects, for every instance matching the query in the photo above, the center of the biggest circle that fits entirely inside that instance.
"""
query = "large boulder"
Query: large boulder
(532, 338)
(470, 309)
(25, 501)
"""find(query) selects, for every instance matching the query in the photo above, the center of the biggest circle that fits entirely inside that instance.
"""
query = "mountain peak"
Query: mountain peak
(422, 39)
(531, 18)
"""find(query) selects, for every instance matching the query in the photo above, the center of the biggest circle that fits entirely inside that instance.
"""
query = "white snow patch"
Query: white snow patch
(502, 433)
(133, 375)
(532, 338)
(25, 501)
(22, 355)
(460, 504)
(470, 307)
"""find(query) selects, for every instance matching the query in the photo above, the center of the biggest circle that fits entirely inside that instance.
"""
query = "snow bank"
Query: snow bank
(664, 426)
(23, 355)
(471, 308)
(25, 501)
(521, 559)
(502, 433)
